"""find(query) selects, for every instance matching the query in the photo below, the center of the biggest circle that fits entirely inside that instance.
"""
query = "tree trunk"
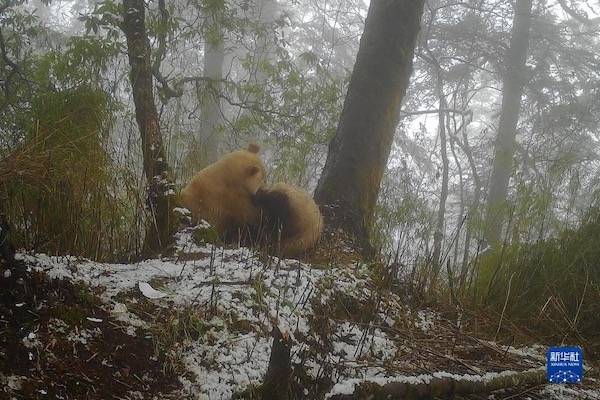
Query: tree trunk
(473, 209)
(161, 227)
(512, 90)
(359, 151)
(438, 234)
(211, 104)
(264, 49)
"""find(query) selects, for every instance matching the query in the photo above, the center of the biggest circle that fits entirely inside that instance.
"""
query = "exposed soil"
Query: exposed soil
(58, 342)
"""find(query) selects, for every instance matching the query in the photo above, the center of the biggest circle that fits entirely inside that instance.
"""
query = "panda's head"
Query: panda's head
(246, 169)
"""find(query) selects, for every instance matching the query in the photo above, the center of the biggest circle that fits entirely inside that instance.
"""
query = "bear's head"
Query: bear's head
(246, 169)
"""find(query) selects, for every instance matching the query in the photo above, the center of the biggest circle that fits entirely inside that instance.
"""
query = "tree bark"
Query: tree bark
(161, 227)
(512, 90)
(358, 153)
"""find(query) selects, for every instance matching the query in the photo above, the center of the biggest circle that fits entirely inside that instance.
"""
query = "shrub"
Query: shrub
(552, 286)
(59, 188)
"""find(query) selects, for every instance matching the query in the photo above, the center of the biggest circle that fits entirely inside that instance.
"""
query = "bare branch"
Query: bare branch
(209, 82)
(404, 114)
(165, 89)
(575, 14)
(3, 7)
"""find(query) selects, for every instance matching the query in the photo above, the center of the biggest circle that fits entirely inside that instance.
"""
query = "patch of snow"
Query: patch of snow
(119, 309)
(14, 382)
(426, 320)
(150, 292)
(31, 340)
(568, 392)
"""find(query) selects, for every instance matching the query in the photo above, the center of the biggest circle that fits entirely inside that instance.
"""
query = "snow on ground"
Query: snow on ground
(243, 299)
(233, 280)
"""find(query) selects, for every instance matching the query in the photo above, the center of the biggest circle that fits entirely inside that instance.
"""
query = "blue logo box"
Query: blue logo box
(565, 364)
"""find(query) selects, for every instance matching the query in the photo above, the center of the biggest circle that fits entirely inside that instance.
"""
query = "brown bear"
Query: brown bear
(292, 221)
(222, 193)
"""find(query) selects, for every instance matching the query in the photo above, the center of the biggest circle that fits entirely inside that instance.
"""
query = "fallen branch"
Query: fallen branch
(436, 385)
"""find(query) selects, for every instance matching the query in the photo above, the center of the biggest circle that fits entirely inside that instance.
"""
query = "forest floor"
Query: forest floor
(75, 329)
(53, 345)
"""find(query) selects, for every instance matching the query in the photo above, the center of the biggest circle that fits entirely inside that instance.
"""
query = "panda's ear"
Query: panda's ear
(253, 147)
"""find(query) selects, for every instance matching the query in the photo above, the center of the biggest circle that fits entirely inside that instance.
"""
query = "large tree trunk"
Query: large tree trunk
(512, 90)
(161, 227)
(358, 153)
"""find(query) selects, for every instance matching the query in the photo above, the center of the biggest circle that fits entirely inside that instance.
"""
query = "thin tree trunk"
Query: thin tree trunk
(263, 51)
(211, 105)
(512, 90)
(160, 187)
(358, 153)
(473, 209)
(438, 235)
